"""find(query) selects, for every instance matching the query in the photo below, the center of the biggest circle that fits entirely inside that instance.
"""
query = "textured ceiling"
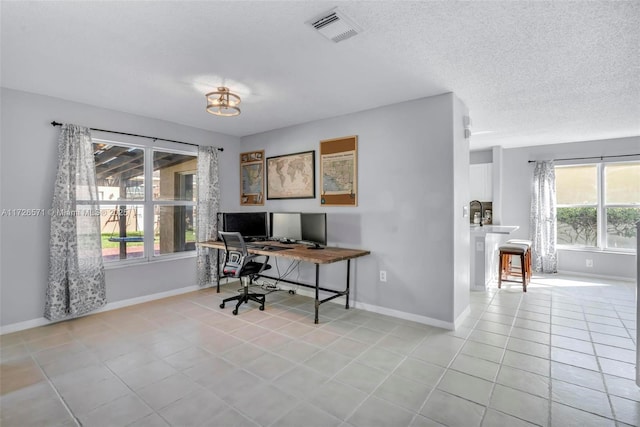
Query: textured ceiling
(530, 72)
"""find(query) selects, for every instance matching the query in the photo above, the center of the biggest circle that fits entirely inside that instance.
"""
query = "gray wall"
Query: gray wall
(516, 194)
(409, 212)
(459, 175)
(28, 160)
(413, 184)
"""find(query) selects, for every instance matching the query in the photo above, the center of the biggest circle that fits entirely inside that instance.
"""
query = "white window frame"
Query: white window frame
(149, 205)
(601, 208)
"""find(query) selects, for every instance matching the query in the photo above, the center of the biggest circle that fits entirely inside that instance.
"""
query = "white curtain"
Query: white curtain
(207, 209)
(543, 219)
(76, 272)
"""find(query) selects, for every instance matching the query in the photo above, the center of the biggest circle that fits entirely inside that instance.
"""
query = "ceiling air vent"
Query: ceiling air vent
(335, 25)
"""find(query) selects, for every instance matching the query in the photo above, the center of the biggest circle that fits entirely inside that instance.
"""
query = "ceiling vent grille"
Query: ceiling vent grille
(335, 25)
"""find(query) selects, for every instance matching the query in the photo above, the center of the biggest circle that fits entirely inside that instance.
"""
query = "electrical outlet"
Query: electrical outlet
(589, 263)
(383, 276)
(480, 246)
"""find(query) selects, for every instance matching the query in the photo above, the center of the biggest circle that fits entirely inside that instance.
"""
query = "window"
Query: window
(577, 205)
(621, 204)
(147, 201)
(598, 205)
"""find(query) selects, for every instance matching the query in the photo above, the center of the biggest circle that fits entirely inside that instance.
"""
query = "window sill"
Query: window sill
(140, 262)
(600, 251)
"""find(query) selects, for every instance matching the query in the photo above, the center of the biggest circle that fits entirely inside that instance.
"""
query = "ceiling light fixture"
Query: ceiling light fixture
(223, 102)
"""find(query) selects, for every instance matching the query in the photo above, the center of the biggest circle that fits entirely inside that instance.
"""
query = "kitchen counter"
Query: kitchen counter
(494, 229)
(485, 241)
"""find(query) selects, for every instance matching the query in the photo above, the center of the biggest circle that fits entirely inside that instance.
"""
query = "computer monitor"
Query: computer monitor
(252, 225)
(314, 227)
(286, 225)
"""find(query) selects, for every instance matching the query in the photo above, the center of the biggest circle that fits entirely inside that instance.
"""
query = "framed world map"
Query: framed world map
(292, 176)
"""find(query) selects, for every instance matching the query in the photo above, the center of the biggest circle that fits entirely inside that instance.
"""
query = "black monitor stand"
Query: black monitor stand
(287, 241)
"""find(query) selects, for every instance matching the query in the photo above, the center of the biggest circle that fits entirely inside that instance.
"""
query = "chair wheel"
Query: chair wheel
(292, 292)
(222, 305)
(262, 308)
(235, 311)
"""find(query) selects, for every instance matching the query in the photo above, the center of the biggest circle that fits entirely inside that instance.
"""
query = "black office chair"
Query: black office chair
(239, 263)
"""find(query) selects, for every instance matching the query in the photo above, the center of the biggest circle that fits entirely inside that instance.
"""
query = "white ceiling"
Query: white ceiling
(530, 72)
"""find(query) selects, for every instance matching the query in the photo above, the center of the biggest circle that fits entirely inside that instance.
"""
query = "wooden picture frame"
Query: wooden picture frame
(292, 176)
(339, 171)
(252, 178)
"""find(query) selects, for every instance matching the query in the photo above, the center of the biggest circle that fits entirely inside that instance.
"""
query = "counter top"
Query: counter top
(494, 229)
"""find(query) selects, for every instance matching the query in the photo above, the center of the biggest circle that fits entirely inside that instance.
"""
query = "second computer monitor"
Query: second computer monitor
(306, 226)
(314, 228)
(286, 225)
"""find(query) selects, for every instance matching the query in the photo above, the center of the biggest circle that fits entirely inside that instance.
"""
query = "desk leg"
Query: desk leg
(317, 302)
(218, 269)
(347, 290)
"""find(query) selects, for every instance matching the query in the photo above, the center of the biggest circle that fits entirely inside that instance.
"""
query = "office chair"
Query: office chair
(240, 264)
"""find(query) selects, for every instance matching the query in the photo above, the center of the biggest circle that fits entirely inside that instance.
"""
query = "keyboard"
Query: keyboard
(309, 243)
(266, 247)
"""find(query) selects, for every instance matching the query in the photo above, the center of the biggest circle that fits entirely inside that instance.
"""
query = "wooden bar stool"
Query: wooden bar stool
(504, 269)
(527, 258)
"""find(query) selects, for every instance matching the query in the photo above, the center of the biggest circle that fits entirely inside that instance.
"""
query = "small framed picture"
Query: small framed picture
(252, 178)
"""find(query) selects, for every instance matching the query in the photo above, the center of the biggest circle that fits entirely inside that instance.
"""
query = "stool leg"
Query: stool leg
(500, 267)
(524, 273)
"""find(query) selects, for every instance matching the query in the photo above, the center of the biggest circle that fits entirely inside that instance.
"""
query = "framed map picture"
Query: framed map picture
(292, 176)
(339, 171)
(252, 178)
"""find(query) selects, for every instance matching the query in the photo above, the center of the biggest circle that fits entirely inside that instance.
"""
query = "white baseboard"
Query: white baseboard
(27, 324)
(388, 311)
(462, 317)
(146, 298)
(405, 316)
(596, 276)
(34, 323)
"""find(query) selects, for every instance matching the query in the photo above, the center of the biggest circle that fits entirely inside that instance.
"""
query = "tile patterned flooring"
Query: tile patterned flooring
(560, 355)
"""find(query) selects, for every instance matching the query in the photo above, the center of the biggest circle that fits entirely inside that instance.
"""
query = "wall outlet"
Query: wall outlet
(480, 246)
(589, 263)
(383, 276)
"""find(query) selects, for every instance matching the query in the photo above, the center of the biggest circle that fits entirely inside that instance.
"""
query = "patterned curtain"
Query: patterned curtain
(208, 206)
(543, 219)
(76, 273)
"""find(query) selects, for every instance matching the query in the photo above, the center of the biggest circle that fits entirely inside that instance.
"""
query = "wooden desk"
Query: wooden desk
(301, 252)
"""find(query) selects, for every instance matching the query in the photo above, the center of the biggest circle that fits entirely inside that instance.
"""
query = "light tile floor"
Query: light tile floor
(560, 355)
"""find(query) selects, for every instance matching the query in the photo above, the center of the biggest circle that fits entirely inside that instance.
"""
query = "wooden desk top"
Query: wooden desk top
(300, 252)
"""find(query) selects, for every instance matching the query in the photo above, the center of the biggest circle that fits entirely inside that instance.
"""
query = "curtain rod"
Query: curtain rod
(587, 158)
(54, 123)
